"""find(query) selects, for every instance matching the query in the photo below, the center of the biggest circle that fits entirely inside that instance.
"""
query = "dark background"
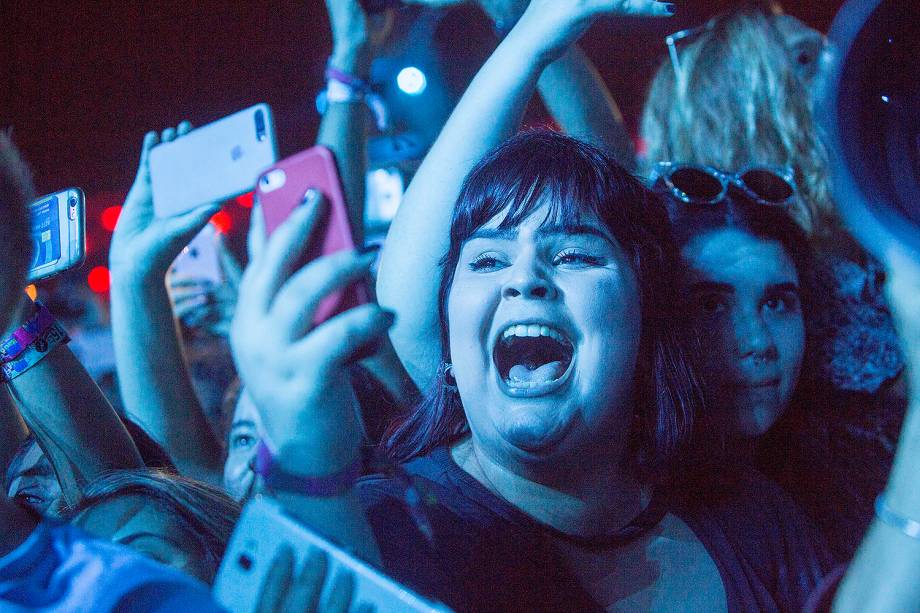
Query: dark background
(84, 81)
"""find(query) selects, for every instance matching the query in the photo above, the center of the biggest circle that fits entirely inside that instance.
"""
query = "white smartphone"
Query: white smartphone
(212, 163)
(263, 529)
(200, 259)
(58, 226)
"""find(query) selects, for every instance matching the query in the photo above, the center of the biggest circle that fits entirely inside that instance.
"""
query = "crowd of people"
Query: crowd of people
(589, 380)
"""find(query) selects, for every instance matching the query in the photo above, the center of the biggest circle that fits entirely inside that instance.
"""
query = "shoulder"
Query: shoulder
(759, 537)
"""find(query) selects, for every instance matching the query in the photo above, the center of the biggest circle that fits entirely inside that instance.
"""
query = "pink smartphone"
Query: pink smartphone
(282, 188)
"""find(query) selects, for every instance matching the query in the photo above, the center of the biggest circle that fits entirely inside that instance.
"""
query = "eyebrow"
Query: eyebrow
(41, 469)
(713, 286)
(127, 540)
(509, 234)
(243, 423)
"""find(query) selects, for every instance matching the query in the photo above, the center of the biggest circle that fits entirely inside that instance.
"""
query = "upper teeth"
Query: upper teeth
(533, 330)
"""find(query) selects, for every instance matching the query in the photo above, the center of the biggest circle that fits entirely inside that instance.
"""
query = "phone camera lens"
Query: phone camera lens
(260, 126)
(73, 203)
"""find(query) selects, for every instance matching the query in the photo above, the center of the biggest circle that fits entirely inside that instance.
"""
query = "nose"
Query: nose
(754, 339)
(527, 281)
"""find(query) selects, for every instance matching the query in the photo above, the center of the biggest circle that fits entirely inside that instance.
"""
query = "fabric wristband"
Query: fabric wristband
(326, 486)
(12, 346)
(886, 515)
(344, 87)
(52, 336)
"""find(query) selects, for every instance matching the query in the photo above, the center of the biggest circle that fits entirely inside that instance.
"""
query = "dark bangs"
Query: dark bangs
(573, 179)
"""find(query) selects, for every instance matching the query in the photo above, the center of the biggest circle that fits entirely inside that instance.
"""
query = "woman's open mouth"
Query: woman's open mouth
(533, 359)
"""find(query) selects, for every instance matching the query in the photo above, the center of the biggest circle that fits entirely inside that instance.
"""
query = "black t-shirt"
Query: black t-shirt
(486, 555)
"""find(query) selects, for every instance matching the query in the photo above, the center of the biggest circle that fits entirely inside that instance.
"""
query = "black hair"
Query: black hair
(575, 180)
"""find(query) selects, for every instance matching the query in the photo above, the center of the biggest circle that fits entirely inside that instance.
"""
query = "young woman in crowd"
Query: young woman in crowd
(739, 91)
(535, 450)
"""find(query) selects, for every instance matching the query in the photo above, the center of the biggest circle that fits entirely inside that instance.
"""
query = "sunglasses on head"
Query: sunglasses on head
(694, 184)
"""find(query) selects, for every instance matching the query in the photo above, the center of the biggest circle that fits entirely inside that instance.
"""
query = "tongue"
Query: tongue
(541, 374)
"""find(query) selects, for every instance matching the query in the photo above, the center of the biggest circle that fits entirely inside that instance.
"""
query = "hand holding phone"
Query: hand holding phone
(265, 533)
(212, 163)
(58, 227)
(282, 188)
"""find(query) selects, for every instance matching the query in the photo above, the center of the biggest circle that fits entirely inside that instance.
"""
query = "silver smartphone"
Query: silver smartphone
(264, 528)
(212, 163)
(58, 226)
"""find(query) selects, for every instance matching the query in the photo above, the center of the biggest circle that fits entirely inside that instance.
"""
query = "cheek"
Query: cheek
(238, 474)
(790, 341)
(469, 309)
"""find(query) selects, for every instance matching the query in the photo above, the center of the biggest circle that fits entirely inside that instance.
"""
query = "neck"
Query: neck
(591, 496)
(15, 526)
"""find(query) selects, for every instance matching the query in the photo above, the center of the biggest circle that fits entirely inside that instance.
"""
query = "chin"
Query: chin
(535, 436)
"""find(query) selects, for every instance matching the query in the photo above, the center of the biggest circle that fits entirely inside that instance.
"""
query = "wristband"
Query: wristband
(326, 486)
(50, 338)
(12, 346)
(886, 515)
(344, 87)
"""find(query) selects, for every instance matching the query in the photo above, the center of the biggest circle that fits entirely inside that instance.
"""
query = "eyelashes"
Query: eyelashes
(569, 257)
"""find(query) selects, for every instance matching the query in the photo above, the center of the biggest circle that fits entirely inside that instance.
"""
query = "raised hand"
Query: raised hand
(356, 36)
(143, 244)
(202, 304)
(297, 376)
(559, 23)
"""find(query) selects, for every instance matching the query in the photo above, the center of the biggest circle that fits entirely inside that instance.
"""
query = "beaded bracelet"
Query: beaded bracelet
(886, 515)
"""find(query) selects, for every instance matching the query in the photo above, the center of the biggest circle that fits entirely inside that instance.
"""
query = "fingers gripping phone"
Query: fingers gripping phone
(58, 227)
(215, 162)
(282, 188)
(264, 528)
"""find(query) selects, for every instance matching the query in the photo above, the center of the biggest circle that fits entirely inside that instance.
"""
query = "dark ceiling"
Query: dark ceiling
(85, 80)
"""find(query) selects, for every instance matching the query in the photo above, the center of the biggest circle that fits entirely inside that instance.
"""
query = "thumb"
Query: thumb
(181, 229)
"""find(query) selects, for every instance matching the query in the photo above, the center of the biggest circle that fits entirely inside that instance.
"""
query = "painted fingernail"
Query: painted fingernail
(310, 197)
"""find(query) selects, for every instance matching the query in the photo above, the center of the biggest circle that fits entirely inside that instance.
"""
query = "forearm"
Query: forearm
(888, 557)
(578, 99)
(72, 420)
(12, 430)
(489, 112)
(155, 384)
(343, 130)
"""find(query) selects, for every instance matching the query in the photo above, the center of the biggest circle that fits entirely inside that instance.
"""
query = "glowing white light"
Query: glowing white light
(411, 80)
(885, 99)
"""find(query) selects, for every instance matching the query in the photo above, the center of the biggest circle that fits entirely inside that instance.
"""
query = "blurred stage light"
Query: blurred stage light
(109, 217)
(98, 279)
(222, 222)
(411, 81)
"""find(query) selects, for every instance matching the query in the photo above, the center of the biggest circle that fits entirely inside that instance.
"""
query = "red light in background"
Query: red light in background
(222, 221)
(109, 217)
(98, 279)
(245, 200)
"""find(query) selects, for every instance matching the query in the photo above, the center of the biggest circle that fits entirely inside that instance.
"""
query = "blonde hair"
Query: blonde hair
(740, 102)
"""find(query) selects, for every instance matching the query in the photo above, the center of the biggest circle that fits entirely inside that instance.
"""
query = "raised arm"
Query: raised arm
(298, 378)
(883, 575)
(574, 92)
(72, 421)
(153, 378)
(489, 112)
